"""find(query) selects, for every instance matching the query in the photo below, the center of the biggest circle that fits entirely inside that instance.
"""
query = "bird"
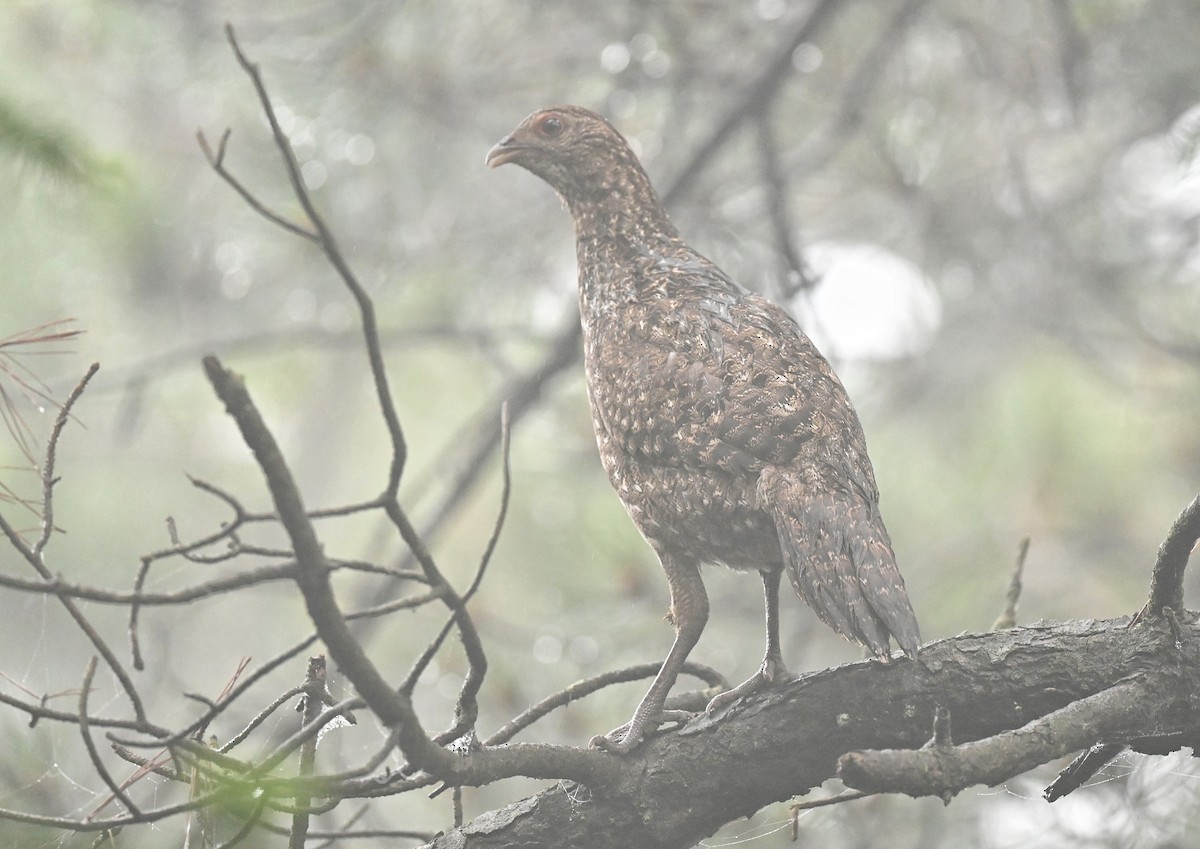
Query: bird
(724, 431)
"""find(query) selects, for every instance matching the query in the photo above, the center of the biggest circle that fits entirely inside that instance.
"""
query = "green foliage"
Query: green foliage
(48, 150)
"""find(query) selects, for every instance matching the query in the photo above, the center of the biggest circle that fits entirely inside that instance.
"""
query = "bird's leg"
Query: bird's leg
(689, 613)
(772, 668)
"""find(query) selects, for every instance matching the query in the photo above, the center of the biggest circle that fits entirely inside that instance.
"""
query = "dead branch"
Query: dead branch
(943, 771)
(1008, 616)
(682, 786)
(314, 693)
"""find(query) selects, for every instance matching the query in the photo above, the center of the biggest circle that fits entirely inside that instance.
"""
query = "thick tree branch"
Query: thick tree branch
(680, 787)
(944, 770)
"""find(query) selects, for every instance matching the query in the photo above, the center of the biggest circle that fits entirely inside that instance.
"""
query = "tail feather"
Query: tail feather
(839, 559)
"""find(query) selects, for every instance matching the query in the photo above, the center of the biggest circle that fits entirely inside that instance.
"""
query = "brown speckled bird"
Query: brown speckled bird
(724, 431)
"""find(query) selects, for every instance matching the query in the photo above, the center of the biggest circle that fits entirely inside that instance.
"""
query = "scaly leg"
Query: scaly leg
(689, 613)
(772, 668)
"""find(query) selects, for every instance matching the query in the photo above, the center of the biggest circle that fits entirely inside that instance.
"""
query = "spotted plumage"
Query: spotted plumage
(724, 431)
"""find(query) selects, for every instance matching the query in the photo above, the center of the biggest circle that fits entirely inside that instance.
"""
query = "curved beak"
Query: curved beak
(506, 151)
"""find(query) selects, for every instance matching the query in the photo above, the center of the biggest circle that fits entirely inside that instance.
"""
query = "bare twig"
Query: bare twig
(800, 807)
(217, 797)
(39, 712)
(180, 737)
(85, 732)
(755, 96)
(262, 716)
(467, 708)
(324, 237)
(33, 556)
(48, 478)
(310, 730)
(339, 780)
(1008, 616)
(217, 161)
(827, 140)
(388, 500)
(590, 685)
(156, 764)
(795, 276)
(208, 589)
(314, 693)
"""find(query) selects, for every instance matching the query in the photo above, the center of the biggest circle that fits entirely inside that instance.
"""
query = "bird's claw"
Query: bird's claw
(617, 742)
(625, 738)
(771, 672)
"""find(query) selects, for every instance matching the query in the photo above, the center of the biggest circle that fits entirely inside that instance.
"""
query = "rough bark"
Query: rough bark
(682, 786)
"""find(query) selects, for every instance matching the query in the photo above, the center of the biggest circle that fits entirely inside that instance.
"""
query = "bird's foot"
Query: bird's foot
(625, 739)
(771, 672)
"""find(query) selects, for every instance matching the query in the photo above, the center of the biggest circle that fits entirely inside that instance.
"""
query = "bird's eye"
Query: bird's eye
(550, 126)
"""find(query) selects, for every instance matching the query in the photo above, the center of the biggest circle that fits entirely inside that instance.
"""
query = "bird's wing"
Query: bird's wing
(711, 377)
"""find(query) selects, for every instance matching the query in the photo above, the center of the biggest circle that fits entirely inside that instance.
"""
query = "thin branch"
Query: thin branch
(85, 732)
(824, 143)
(1008, 616)
(38, 712)
(156, 764)
(800, 807)
(338, 780)
(588, 686)
(307, 732)
(328, 244)
(196, 592)
(168, 739)
(754, 97)
(217, 161)
(82, 622)
(33, 556)
(48, 478)
(406, 603)
(219, 796)
(467, 708)
(370, 332)
(796, 276)
(262, 716)
(314, 692)
(463, 466)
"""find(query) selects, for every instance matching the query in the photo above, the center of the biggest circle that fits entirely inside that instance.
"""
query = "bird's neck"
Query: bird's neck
(616, 231)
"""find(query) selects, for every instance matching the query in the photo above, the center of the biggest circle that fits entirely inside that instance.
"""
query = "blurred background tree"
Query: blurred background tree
(986, 213)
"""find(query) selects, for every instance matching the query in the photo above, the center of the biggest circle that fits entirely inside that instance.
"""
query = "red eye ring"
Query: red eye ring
(550, 126)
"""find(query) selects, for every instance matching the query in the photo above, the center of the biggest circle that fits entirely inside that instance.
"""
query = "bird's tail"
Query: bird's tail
(839, 558)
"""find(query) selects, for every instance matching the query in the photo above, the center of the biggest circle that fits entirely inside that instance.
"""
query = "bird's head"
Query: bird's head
(573, 149)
